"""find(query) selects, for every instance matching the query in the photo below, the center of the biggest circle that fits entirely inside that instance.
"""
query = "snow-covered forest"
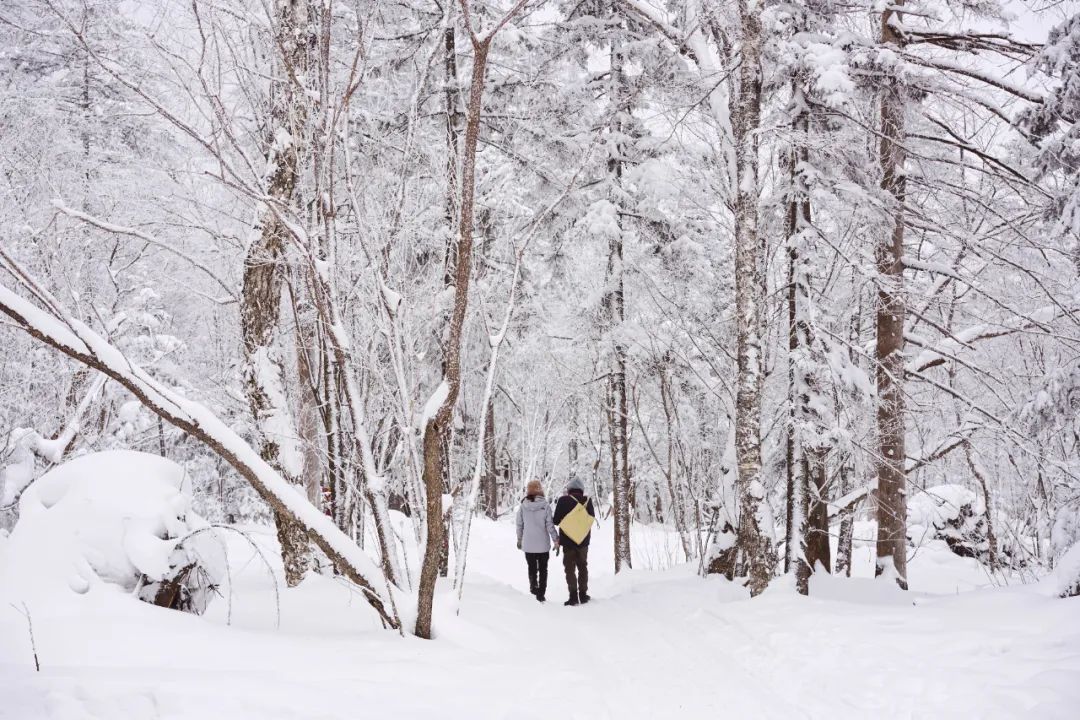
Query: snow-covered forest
(296, 297)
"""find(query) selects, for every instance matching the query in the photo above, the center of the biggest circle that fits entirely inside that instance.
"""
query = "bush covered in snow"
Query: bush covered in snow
(1064, 580)
(118, 519)
(951, 513)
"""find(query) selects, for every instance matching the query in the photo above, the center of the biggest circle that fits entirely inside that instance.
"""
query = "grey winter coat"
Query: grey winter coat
(535, 530)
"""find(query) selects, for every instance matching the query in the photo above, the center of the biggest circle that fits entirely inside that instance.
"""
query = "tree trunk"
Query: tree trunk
(616, 408)
(572, 447)
(311, 477)
(438, 425)
(844, 544)
(678, 507)
(614, 315)
(991, 535)
(331, 423)
(818, 551)
(260, 302)
(798, 217)
(755, 530)
(491, 478)
(889, 350)
(452, 102)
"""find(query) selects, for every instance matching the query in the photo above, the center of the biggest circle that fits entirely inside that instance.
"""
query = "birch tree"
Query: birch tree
(755, 522)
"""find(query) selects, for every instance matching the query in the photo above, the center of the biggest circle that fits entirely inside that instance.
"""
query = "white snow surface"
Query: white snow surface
(657, 642)
(93, 526)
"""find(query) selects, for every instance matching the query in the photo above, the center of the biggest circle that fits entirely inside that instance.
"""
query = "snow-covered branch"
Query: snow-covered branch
(79, 342)
(230, 290)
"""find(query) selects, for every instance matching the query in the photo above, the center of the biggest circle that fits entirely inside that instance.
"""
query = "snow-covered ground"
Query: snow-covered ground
(656, 643)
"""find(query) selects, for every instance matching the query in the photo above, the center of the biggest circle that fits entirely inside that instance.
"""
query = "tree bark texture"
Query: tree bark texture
(439, 425)
(845, 543)
(454, 117)
(263, 278)
(798, 215)
(614, 309)
(889, 348)
(754, 531)
(491, 477)
(818, 551)
(308, 400)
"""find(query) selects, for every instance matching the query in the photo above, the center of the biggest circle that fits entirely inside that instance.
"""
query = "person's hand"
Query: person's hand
(519, 546)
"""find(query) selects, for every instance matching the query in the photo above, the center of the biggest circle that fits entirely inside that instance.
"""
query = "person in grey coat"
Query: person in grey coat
(535, 536)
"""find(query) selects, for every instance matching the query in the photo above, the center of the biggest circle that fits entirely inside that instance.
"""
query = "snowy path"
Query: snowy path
(654, 644)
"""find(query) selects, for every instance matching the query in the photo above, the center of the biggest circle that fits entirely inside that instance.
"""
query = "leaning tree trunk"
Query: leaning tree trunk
(889, 350)
(754, 531)
(260, 301)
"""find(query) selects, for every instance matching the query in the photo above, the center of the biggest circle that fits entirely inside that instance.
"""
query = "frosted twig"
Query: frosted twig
(25, 612)
(228, 573)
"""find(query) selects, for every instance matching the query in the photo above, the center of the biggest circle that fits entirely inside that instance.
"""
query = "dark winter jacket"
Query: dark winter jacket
(535, 531)
(562, 508)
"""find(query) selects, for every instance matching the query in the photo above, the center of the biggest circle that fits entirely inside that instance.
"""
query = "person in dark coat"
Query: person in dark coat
(575, 555)
(535, 536)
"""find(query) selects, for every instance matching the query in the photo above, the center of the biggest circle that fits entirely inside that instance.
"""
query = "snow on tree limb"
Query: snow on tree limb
(80, 343)
(230, 291)
(947, 348)
(1000, 83)
(53, 449)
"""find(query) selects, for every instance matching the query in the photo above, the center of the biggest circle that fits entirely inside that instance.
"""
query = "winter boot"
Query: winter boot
(584, 598)
(571, 601)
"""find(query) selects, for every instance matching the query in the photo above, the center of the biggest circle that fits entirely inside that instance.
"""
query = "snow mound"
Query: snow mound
(937, 506)
(1064, 580)
(951, 513)
(110, 520)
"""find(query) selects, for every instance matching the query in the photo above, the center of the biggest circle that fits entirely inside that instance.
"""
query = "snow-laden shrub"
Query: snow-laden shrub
(1064, 580)
(117, 520)
(1065, 532)
(951, 513)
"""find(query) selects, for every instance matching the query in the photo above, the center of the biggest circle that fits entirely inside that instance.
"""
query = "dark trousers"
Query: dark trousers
(576, 563)
(537, 563)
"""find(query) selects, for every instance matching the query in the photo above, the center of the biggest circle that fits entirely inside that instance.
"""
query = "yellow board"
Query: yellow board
(577, 523)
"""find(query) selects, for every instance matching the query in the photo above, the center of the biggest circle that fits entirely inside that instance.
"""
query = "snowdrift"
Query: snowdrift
(111, 523)
(657, 641)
